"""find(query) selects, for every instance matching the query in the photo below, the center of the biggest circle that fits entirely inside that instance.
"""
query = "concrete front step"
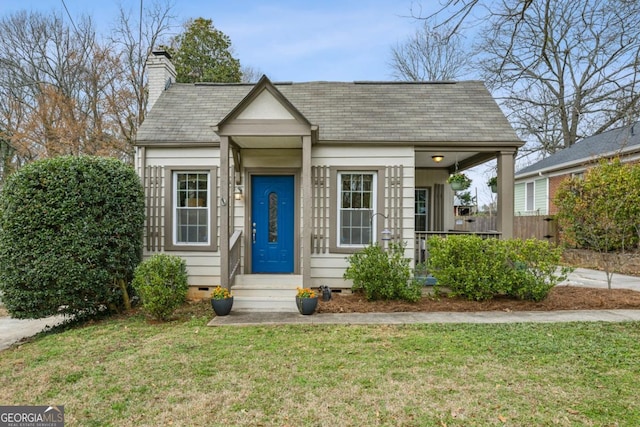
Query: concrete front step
(266, 292)
(265, 304)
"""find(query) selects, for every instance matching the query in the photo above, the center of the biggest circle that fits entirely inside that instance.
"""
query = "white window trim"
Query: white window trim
(170, 204)
(174, 208)
(374, 204)
(334, 237)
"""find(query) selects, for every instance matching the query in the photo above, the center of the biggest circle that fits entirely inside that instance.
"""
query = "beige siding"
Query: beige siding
(328, 268)
(203, 267)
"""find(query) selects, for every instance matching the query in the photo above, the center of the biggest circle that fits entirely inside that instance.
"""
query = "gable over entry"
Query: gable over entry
(265, 120)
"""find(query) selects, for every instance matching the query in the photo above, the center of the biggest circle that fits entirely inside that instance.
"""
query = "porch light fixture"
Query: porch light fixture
(238, 193)
(437, 158)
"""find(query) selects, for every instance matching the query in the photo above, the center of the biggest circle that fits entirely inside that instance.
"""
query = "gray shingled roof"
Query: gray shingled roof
(607, 143)
(359, 111)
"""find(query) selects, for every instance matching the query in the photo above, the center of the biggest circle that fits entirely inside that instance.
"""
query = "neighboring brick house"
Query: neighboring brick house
(537, 184)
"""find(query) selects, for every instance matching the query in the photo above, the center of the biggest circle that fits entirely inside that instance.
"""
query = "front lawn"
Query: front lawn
(129, 371)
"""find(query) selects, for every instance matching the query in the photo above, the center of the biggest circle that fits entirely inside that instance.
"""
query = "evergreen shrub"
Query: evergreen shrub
(70, 236)
(383, 275)
(161, 283)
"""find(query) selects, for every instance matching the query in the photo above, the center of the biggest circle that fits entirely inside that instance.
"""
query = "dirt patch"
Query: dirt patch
(560, 298)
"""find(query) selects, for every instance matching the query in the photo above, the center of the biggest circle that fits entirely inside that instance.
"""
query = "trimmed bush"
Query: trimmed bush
(383, 275)
(161, 283)
(481, 269)
(70, 236)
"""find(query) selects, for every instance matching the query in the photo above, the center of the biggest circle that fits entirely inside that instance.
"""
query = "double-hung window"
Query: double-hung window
(357, 196)
(191, 210)
(357, 202)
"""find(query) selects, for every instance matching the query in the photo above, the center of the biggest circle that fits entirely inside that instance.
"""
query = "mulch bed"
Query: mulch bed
(560, 298)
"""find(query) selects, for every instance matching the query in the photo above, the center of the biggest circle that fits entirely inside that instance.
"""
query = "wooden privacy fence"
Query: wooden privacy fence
(543, 227)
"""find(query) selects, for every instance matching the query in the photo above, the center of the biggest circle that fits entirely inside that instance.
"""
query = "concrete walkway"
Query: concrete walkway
(13, 330)
(580, 277)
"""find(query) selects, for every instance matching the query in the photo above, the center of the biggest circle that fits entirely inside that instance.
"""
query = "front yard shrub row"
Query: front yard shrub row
(480, 269)
(161, 283)
(383, 275)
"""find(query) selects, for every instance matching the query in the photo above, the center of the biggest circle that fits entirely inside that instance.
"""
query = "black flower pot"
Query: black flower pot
(222, 307)
(306, 305)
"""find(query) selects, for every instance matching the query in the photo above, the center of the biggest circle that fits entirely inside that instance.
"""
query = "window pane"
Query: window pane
(346, 199)
(356, 200)
(529, 190)
(273, 217)
(367, 181)
(421, 208)
(366, 200)
(346, 182)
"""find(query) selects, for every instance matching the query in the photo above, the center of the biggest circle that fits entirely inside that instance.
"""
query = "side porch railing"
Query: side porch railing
(234, 255)
(421, 237)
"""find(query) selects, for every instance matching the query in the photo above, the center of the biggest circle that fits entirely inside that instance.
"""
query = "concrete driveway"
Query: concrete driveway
(598, 279)
(13, 330)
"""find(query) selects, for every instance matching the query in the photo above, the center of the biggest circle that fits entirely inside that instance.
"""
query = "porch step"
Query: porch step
(266, 292)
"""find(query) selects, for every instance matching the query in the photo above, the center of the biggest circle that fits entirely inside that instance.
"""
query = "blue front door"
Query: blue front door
(272, 223)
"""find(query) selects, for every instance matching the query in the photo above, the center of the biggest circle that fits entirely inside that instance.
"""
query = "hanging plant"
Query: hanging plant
(493, 184)
(459, 181)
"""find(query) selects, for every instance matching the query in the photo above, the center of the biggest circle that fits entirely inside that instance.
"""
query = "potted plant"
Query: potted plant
(459, 181)
(493, 184)
(306, 301)
(221, 301)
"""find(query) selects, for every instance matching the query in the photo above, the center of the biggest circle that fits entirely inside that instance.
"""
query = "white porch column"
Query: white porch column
(224, 211)
(305, 234)
(506, 172)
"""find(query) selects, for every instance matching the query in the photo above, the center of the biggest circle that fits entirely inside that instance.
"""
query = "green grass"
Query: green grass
(128, 371)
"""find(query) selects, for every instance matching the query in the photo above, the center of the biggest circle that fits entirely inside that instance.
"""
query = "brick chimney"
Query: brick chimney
(161, 74)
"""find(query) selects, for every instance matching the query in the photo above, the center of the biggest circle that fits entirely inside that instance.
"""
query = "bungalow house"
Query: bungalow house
(273, 185)
(536, 185)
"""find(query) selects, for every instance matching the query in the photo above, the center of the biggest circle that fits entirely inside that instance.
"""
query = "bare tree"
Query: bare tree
(429, 55)
(134, 36)
(45, 81)
(250, 74)
(571, 69)
(64, 92)
(564, 69)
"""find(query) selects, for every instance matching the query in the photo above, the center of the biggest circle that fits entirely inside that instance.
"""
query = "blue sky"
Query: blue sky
(334, 40)
(331, 40)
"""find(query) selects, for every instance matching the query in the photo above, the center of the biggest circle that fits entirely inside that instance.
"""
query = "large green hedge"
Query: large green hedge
(481, 269)
(70, 236)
